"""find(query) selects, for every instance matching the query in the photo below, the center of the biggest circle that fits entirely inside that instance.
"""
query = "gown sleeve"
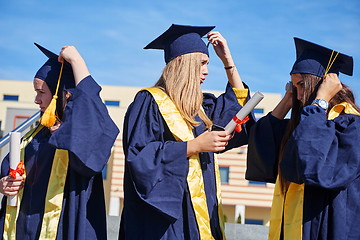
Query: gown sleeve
(263, 149)
(5, 166)
(321, 152)
(87, 131)
(156, 166)
(223, 108)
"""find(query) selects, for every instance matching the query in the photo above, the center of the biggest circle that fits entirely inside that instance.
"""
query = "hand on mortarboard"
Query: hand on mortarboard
(221, 48)
(329, 87)
(223, 52)
(72, 56)
(69, 54)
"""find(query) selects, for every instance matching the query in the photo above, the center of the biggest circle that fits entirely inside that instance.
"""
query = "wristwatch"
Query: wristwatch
(321, 103)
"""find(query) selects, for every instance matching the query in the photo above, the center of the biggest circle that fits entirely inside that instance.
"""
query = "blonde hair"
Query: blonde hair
(180, 79)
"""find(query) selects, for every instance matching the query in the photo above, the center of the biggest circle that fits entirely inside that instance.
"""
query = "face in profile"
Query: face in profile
(298, 82)
(204, 67)
(43, 94)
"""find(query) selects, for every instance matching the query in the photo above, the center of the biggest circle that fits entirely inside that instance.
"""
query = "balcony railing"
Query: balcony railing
(20, 128)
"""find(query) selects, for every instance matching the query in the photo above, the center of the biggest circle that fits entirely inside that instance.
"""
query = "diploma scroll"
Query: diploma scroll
(245, 110)
(15, 138)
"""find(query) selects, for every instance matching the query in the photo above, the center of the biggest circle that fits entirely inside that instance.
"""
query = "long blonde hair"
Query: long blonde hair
(180, 80)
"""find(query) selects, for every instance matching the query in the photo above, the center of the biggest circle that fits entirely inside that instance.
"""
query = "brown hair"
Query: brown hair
(311, 85)
(181, 82)
(344, 95)
(61, 103)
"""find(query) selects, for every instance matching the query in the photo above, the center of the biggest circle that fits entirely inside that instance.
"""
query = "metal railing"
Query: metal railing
(20, 128)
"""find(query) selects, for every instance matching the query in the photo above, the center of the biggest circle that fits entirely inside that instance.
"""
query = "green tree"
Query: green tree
(239, 219)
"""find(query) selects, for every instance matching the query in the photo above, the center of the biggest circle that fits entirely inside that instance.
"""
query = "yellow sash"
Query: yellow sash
(340, 108)
(13, 211)
(218, 194)
(182, 132)
(54, 194)
(289, 207)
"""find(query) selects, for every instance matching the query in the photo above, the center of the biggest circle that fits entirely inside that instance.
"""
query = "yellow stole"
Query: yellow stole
(289, 206)
(54, 194)
(182, 132)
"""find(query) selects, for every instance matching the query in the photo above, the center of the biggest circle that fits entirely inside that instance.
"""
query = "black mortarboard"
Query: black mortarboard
(315, 59)
(181, 39)
(50, 71)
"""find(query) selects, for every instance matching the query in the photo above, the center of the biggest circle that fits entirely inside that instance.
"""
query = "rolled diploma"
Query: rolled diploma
(244, 111)
(14, 160)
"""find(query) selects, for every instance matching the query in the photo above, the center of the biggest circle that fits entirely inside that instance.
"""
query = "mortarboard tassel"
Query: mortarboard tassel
(330, 63)
(48, 119)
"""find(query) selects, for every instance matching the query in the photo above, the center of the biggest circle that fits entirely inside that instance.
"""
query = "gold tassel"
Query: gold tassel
(48, 119)
(330, 63)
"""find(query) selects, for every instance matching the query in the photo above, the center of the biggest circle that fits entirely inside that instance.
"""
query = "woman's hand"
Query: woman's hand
(72, 56)
(10, 186)
(55, 127)
(69, 54)
(223, 52)
(221, 48)
(329, 87)
(285, 104)
(208, 141)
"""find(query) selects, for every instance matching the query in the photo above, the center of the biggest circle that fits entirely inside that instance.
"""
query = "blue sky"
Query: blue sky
(111, 35)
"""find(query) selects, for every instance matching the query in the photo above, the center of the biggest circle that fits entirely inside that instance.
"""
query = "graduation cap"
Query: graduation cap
(318, 60)
(58, 76)
(49, 72)
(181, 39)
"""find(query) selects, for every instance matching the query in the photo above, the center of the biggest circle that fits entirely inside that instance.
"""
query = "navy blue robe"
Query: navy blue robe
(157, 202)
(325, 156)
(88, 133)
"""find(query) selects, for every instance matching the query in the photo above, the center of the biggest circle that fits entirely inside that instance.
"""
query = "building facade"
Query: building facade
(243, 201)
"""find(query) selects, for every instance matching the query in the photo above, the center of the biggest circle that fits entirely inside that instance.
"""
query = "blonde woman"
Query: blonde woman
(171, 182)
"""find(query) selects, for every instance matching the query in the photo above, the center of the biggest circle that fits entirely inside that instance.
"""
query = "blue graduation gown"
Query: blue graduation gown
(157, 202)
(324, 155)
(88, 133)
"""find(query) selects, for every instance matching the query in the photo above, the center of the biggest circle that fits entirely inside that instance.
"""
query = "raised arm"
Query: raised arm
(283, 106)
(72, 56)
(223, 52)
(329, 87)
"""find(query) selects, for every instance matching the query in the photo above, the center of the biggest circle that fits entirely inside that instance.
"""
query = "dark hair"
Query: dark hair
(311, 86)
(344, 95)
(60, 105)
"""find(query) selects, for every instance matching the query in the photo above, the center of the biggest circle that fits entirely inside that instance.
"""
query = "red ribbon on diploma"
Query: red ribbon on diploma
(238, 122)
(19, 169)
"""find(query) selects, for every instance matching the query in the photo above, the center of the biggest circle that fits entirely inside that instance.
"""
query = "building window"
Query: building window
(254, 221)
(18, 120)
(11, 98)
(112, 103)
(259, 110)
(224, 175)
(257, 183)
